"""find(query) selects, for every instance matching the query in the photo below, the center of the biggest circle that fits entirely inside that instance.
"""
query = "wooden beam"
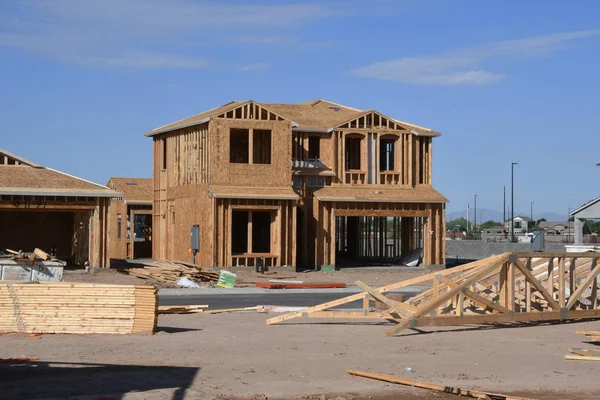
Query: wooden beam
(401, 308)
(574, 298)
(537, 285)
(476, 298)
(440, 388)
(496, 263)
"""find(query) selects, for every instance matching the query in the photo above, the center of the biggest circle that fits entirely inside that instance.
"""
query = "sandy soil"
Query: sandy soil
(236, 356)
(247, 277)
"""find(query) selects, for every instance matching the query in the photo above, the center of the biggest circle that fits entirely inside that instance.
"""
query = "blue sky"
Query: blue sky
(502, 80)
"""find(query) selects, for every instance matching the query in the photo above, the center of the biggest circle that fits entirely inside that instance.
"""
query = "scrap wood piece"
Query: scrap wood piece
(582, 358)
(190, 309)
(593, 336)
(586, 352)
(315, 285)
(42, 254)
(224, 310)
(440, 388)
(17, 360)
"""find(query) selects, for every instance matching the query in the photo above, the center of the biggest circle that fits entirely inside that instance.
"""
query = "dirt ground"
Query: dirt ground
(237, 356)
(247, 277)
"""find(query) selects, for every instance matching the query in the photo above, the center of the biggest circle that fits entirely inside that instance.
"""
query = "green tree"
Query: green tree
(488, 224)
(457, 225)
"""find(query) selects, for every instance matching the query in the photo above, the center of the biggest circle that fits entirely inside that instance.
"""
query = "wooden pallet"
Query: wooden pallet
(59, 307)
(510, 287)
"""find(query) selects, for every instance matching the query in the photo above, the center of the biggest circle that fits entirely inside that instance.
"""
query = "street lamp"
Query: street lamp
(512, 201)
(531, 212)
(475, 215)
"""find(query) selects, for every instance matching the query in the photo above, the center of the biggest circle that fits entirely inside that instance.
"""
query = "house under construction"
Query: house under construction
(310, 184)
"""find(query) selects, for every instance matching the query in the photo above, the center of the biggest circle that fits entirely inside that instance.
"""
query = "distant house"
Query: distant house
(520, 224)
(494, 233)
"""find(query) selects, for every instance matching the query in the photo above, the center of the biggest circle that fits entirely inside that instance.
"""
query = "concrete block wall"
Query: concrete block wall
(477, 249)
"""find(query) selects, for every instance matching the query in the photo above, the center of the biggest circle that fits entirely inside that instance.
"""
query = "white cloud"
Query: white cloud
(255, 67)
(147, 33)
(464, 66)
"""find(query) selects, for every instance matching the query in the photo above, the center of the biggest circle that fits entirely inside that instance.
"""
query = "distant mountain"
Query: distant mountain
(487, 215)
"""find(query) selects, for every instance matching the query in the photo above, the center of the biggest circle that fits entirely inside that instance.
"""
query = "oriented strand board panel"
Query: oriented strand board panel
(223, 172)
(77, 308)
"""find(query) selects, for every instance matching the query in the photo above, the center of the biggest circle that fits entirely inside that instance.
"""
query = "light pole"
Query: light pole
(512, 201)
(475, 215)
(531, 213)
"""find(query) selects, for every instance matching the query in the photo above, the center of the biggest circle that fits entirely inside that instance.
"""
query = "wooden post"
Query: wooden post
(561, 281)
(250, 232)
(131, 233)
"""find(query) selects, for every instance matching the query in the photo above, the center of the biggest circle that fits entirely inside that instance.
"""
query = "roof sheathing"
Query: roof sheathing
(314, 115)
(134, 189)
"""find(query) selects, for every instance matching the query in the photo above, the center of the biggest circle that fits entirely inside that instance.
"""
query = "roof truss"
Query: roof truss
(372, 120)
(252, 110)
(510, 287)
(8, 158)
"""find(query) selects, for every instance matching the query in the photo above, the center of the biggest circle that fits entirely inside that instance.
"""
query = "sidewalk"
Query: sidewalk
(412, 290)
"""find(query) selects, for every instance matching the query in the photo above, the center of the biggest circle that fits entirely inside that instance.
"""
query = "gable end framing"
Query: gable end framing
(371, 120)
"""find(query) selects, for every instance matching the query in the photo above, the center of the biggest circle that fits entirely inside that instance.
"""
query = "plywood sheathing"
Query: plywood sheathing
(277, 173)
(25, 178)
(133, 189)
(418, 194)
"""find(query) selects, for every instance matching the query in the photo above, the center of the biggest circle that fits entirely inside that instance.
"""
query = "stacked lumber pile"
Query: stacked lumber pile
(59, 307)
(593, 336)
(170, 272)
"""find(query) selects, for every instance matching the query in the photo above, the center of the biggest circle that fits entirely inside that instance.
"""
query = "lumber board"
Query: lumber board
(77, 308)
(582, 358)
(439, 388)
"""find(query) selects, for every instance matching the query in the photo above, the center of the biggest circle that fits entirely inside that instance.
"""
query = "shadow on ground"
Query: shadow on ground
(41, 380)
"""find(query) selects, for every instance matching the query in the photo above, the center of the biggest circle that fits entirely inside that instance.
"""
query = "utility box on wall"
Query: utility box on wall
(537, 241)
(195, 238)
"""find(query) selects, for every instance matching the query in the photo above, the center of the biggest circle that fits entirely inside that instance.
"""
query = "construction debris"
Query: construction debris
(224, 310)
(439, 388)
(593, 336)
(59, 307)
(169, 272)
(181, 309)
(299, 285)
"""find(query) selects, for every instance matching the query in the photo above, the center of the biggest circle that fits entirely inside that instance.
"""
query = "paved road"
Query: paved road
(293, 299)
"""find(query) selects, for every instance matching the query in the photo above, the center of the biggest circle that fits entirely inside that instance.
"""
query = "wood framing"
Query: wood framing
(510, 287)
(130, 218)
(328, 176)
(59, 213)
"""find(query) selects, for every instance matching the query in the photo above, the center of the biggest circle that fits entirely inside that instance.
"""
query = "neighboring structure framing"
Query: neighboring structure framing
(130, 218)
(62, 214)
(511, 287)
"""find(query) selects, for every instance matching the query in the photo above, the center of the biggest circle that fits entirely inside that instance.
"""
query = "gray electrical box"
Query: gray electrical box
(537, 241)
(195, 236)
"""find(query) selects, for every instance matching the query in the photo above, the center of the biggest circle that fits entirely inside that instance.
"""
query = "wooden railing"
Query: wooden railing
(390, 178)
(249, 260)
(355, 177)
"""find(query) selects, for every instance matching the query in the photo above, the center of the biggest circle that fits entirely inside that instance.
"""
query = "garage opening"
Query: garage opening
(64, 235)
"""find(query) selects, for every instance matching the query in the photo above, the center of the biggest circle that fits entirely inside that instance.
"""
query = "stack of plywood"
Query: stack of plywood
(170, 272)
(58, 307)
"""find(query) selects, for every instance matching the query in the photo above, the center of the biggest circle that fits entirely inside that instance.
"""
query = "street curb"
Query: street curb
(254, 291)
